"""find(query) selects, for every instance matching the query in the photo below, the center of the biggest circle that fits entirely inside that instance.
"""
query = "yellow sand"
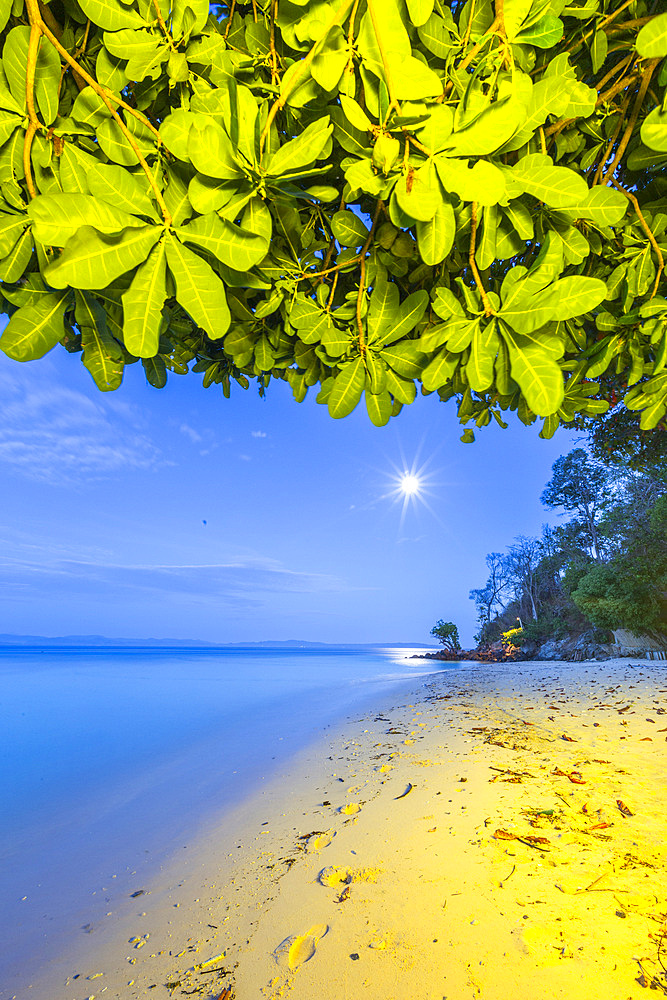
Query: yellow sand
(509, 843)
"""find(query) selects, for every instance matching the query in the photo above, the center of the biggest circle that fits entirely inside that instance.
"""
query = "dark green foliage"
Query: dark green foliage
(605, 568)
(618, 595)
(364, 197)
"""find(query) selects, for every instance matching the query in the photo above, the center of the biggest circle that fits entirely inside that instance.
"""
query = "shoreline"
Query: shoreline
(463, 839)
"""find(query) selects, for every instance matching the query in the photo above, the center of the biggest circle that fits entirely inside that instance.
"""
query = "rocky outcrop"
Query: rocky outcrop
(581, 647)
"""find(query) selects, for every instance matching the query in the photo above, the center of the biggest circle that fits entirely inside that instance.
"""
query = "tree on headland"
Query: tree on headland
(363, 198)
(605, 568)
(448, 634)
(579, 485)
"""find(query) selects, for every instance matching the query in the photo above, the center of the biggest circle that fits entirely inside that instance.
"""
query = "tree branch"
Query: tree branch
(647, 229)
(362, 276)
(488, 308)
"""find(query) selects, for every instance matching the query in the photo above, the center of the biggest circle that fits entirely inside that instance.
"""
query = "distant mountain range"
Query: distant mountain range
(8, 640)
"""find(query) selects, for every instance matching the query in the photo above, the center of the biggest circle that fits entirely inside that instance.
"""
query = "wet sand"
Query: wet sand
(497, 832)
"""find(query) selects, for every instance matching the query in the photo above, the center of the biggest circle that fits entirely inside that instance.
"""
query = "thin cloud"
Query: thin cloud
(55, 434)
(233, 585)
(190, 432)
(258, 434)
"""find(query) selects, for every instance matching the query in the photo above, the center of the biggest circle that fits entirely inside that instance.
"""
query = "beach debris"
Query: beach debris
(530, 841)
(575, 776)
(623, 809)
(568, 739)
(354, 956)
(203, 966)
(406, 792)
(345, 894)
(350, 809)
(139, 892)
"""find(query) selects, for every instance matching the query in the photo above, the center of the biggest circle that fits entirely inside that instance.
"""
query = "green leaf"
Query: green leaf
(5, 11)
(348, 229)
(11, 227)
(355, 114)
(515, 13)
(111, 15)
(8, 123)
(538, 375)
(126, 191)
(93, 260)
(402, 389)
(485, 183)
(35, 329)
(57, 217)
(420, 11)
(347, 389)
(155, 371)
(18, 258)
(383, 309)
(397, 326)
(574, 295)
(599, 48)
(544, 34)
(435, 238)
(558, 187)
(175, 131)
(329, 63)
(415, 197)
(436, 36)
(489, 131)
(379, 407)
(116, 145)
(143, 303)
(483, 351)
(602, 205)
(102, 355)
(652, 39)
(47, 71)
(440, 370)
(654, 130)
(198, 289)
(211, 151)
(406, 359)
(302, 151)
(235, 247)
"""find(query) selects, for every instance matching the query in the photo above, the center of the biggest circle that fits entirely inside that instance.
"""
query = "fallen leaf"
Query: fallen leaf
(504, 835)
(570, 739)
(623, 809)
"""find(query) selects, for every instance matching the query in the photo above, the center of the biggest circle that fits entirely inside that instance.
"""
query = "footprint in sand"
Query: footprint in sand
(384, 768)
(319, 841)
(350, 809)
(336, 876)
(294, 951)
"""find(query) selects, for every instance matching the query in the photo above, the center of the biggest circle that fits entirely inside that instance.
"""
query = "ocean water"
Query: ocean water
(111, 759)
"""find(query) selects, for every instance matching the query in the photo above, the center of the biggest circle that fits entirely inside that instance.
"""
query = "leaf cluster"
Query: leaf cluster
(357, 197)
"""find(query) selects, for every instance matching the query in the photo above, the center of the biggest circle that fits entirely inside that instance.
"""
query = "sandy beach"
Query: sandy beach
(498, 831)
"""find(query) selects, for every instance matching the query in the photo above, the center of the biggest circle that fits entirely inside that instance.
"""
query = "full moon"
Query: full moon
(409, 484)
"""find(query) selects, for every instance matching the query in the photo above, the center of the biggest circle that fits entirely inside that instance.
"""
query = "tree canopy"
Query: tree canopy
(448, 634)
(605, 568)
(363, 196)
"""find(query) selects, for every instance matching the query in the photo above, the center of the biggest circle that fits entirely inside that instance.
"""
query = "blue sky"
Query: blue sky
(105, 497)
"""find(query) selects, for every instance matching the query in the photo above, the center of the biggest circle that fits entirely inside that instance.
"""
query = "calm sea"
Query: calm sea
(110, 759)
